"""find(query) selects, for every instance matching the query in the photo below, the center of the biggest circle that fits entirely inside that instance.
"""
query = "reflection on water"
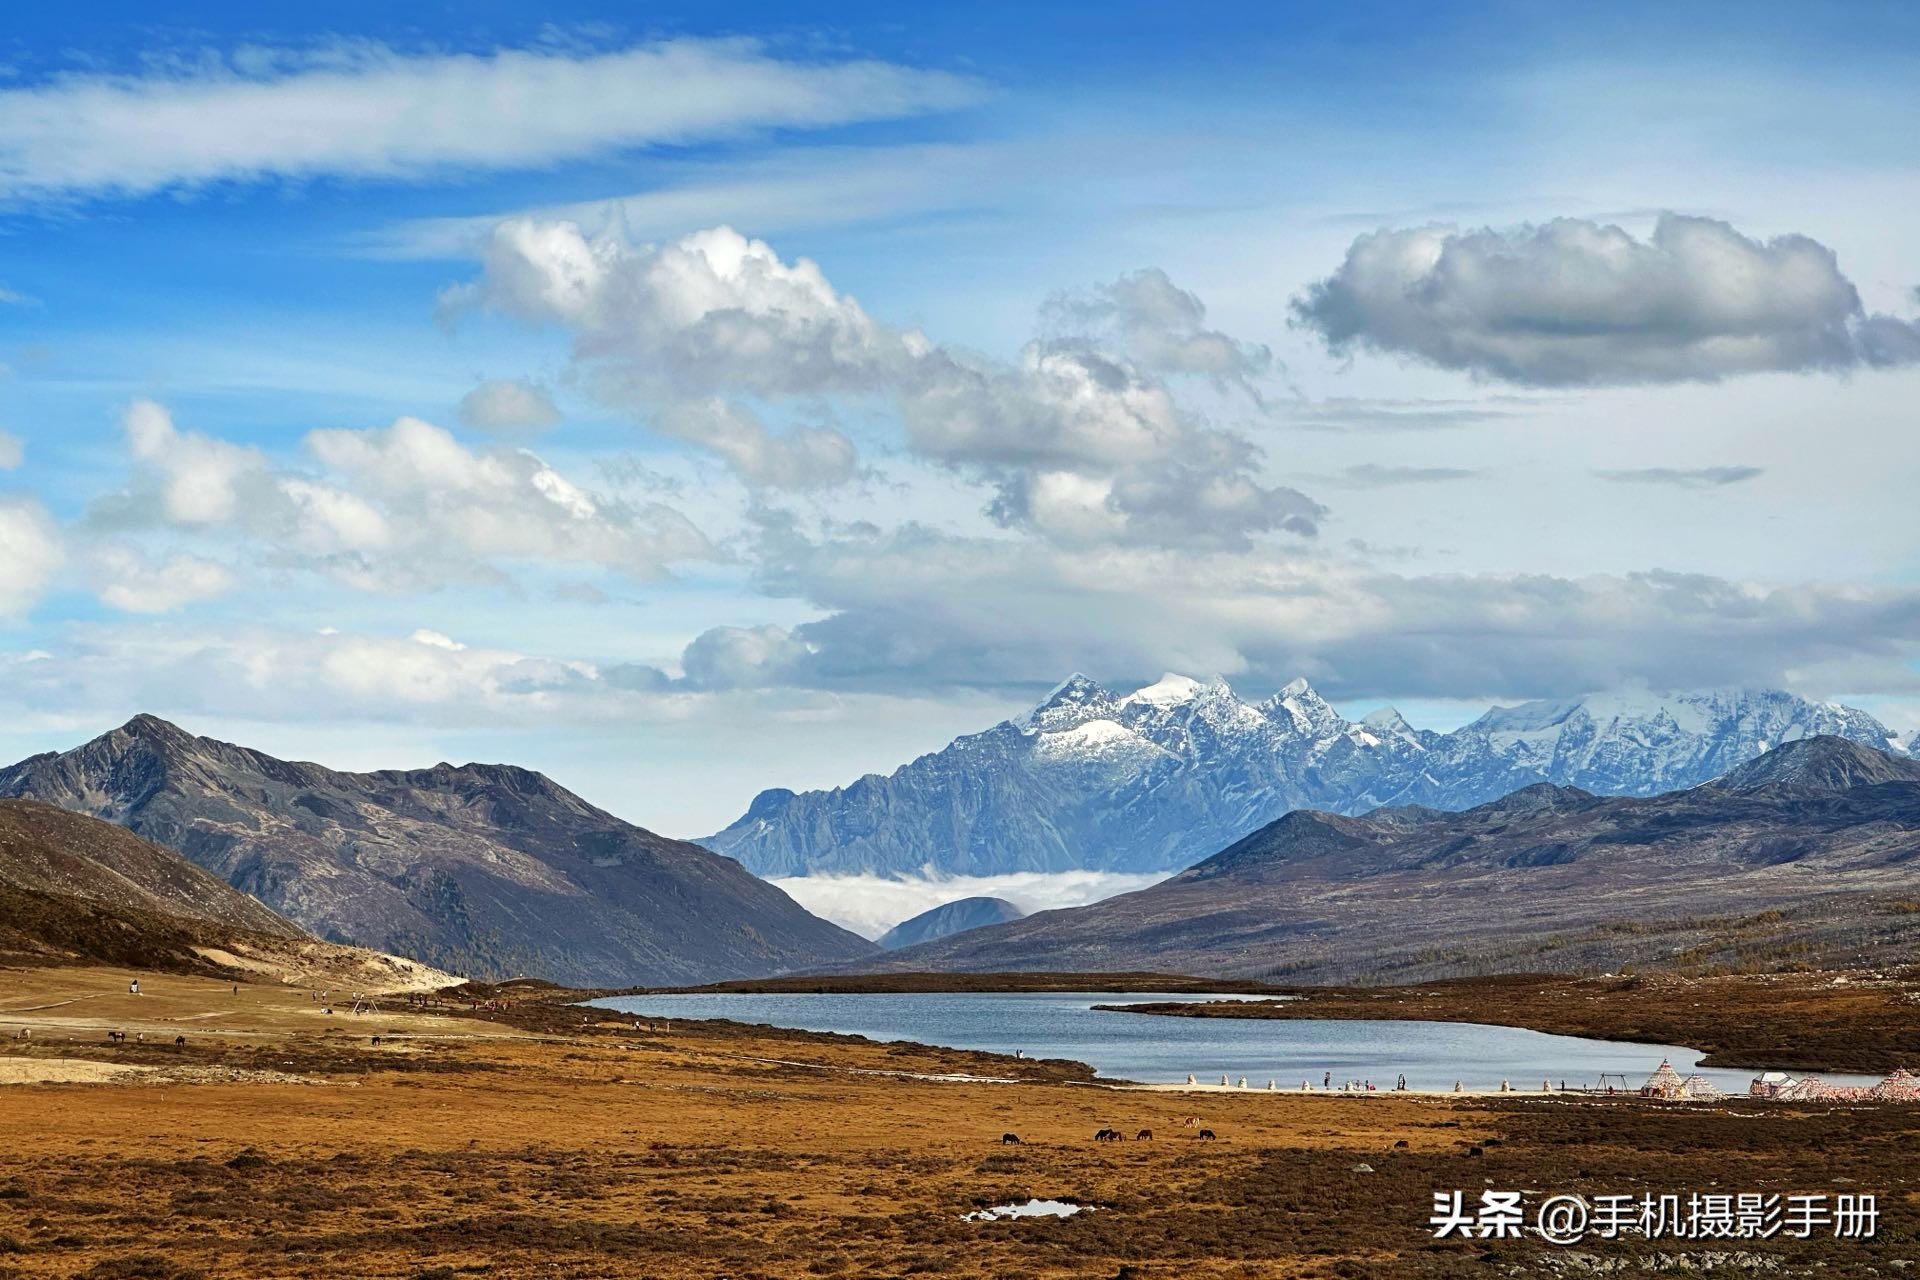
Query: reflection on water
(1127, 1046)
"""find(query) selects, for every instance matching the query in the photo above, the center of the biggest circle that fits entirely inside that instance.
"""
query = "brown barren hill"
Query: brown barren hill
(1804, 857)
(47, 850)
(485, 869)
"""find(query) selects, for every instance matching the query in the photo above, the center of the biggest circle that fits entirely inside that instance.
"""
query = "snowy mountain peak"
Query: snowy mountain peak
(1072, 702)
(1167, 774)
(1299, 708)
(1386, 720)
(1170, 690)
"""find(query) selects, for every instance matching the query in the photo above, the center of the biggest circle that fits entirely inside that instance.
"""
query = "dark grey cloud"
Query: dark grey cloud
(1574, 302)
(1684, 477)
(917, 611)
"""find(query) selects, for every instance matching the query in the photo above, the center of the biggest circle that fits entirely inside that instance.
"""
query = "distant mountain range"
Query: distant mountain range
(481, 869)
(1159, 778)
(950, 918)
(1808, 854)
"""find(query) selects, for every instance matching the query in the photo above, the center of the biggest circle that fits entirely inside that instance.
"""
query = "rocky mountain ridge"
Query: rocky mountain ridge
(483, 869)
(1159, 778)
(1806, 854)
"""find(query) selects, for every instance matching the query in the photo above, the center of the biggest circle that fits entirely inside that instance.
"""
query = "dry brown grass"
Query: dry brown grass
(553, 1149)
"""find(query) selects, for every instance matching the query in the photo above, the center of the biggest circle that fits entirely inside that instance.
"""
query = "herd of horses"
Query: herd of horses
(1115, 1135)
(120, 1037)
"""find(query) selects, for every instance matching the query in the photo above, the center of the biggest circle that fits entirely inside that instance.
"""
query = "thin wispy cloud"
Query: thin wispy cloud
(1684, 477)
(784, 190)
(373, 112)
(1370, 475)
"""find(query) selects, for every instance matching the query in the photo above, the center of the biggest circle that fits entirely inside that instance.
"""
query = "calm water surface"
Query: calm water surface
(1432, 1055)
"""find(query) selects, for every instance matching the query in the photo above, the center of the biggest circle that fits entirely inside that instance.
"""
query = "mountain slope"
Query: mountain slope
(950, 918)
(77, 889)
(1157, 779)
(48, 850)
(484, 869)
(1812, 851)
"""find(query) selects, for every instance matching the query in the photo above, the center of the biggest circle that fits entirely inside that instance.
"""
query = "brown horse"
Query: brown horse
(1145, 1135)
(1108, 1135)
(1009, 1139)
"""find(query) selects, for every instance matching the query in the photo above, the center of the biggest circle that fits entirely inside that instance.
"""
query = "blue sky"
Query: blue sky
(377, 385)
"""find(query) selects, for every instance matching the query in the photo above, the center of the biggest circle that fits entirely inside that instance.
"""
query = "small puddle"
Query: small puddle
(1030, 1209)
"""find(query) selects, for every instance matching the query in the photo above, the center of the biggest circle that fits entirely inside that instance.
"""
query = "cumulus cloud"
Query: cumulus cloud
(404, 507)
(13, 451)
(799, 459)
(1080, 438)
(1684, 477)
(508, 407)
(30, 551)
(743, 657)
(199, 478)
(369, 111)
(1574, 302)
(129, 581)
(1159, 325)
(259, 672)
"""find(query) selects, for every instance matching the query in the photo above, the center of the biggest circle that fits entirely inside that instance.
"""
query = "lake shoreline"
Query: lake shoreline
(1856, 1020)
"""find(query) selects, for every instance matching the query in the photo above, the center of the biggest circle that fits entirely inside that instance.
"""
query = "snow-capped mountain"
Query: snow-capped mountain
(1166, 775)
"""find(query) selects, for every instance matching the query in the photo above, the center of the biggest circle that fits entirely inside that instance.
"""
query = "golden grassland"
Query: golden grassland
(546, 1140)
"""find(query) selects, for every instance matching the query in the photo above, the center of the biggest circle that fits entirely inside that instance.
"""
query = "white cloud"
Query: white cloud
(398, 508)
(1159, 325)
(13, 451)
(780, 190)
(1081, 443)
(1573, 302)
(129, 581)
(870, 905)
(30, 552)
(799, 459)
(370, 111)
(267, 673)
(508, 407)
(199, 477)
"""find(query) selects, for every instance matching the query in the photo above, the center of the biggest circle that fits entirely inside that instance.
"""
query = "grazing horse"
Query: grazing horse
(1009, 1139)
(1145, 1135)
(1205, 1135)
(179, 1042)
(1190, 1122)
(1108, 1135)
(118, 1037)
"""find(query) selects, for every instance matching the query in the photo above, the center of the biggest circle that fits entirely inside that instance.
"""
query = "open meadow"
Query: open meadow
(540, 1139)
